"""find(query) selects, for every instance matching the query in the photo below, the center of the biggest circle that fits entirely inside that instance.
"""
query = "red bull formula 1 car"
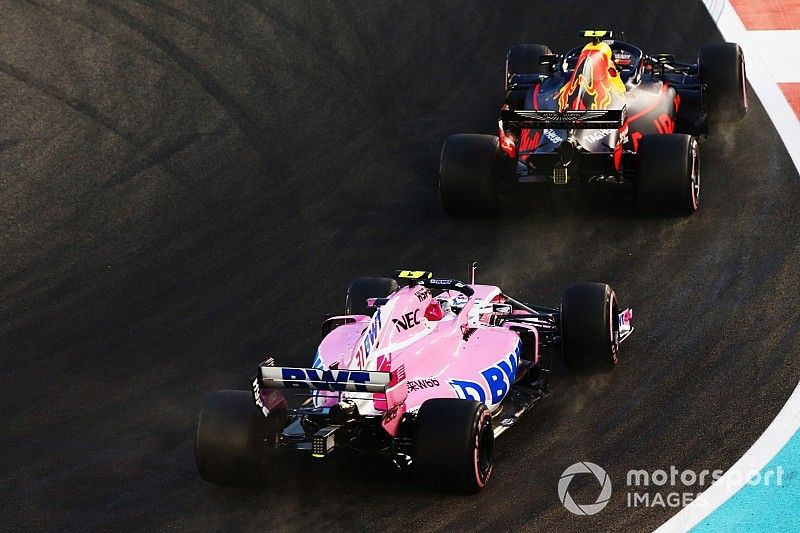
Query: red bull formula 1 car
(423, 371)
(604, 113)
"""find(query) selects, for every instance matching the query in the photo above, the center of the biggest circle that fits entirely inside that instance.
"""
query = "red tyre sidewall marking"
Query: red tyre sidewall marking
(476, 450)
(695, 191)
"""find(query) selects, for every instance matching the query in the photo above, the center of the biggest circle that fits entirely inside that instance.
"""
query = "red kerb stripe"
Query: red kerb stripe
(768, 14)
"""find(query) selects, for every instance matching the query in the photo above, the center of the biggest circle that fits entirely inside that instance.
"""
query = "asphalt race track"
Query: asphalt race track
(188, 186)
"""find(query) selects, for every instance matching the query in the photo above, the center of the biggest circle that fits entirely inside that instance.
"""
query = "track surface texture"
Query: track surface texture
(187, 186)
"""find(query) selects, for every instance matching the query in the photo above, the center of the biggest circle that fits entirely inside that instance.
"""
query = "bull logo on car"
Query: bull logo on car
(594, 82)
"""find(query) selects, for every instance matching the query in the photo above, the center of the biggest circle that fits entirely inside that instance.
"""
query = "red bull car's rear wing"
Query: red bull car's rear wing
(534, 120)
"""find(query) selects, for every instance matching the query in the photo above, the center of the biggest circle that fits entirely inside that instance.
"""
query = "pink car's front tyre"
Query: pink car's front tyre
(589, 328)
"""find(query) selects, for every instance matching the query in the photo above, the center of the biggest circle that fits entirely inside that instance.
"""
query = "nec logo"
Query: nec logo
(407, 321)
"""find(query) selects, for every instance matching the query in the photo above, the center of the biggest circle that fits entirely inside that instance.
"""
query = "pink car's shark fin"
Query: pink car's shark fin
(396, 395)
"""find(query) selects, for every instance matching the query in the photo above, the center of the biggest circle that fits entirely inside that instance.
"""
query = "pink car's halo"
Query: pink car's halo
(423, 370)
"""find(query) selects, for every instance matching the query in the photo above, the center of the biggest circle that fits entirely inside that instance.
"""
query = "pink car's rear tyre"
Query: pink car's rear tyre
(363, 288)
(454, 444)
(233, 439)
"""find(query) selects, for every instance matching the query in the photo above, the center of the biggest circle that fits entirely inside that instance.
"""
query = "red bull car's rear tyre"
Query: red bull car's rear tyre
(589, 328)
(524, 59)
(454, 444)
(363, 288)
(468, 171)
(722, 70)
(668, 175)
(233, 439)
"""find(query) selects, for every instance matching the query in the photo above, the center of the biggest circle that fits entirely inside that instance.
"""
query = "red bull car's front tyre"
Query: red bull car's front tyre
(524, 59)
(468, 170)
(522, 62)
(722, 71)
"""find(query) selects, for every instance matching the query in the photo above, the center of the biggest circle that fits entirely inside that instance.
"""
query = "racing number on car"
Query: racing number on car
(664, 124)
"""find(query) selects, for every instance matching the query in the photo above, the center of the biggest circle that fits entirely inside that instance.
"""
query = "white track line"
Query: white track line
(788, 420)
(780, 52)
(759, 76)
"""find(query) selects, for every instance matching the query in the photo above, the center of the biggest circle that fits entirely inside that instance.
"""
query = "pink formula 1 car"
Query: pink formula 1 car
(425, 371)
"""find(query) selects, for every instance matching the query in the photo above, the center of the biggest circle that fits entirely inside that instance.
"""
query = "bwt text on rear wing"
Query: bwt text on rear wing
(276, 377)
(533, 120)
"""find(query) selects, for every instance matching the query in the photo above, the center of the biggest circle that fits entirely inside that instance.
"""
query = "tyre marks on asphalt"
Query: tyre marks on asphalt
(88, 22)
(251, 129)
(83, 107)
(9, 143)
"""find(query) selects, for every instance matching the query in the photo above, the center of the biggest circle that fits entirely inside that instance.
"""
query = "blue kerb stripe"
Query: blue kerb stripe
(763, 507)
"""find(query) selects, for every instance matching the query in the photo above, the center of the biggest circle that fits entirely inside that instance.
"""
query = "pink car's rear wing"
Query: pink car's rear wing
(276, 377)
